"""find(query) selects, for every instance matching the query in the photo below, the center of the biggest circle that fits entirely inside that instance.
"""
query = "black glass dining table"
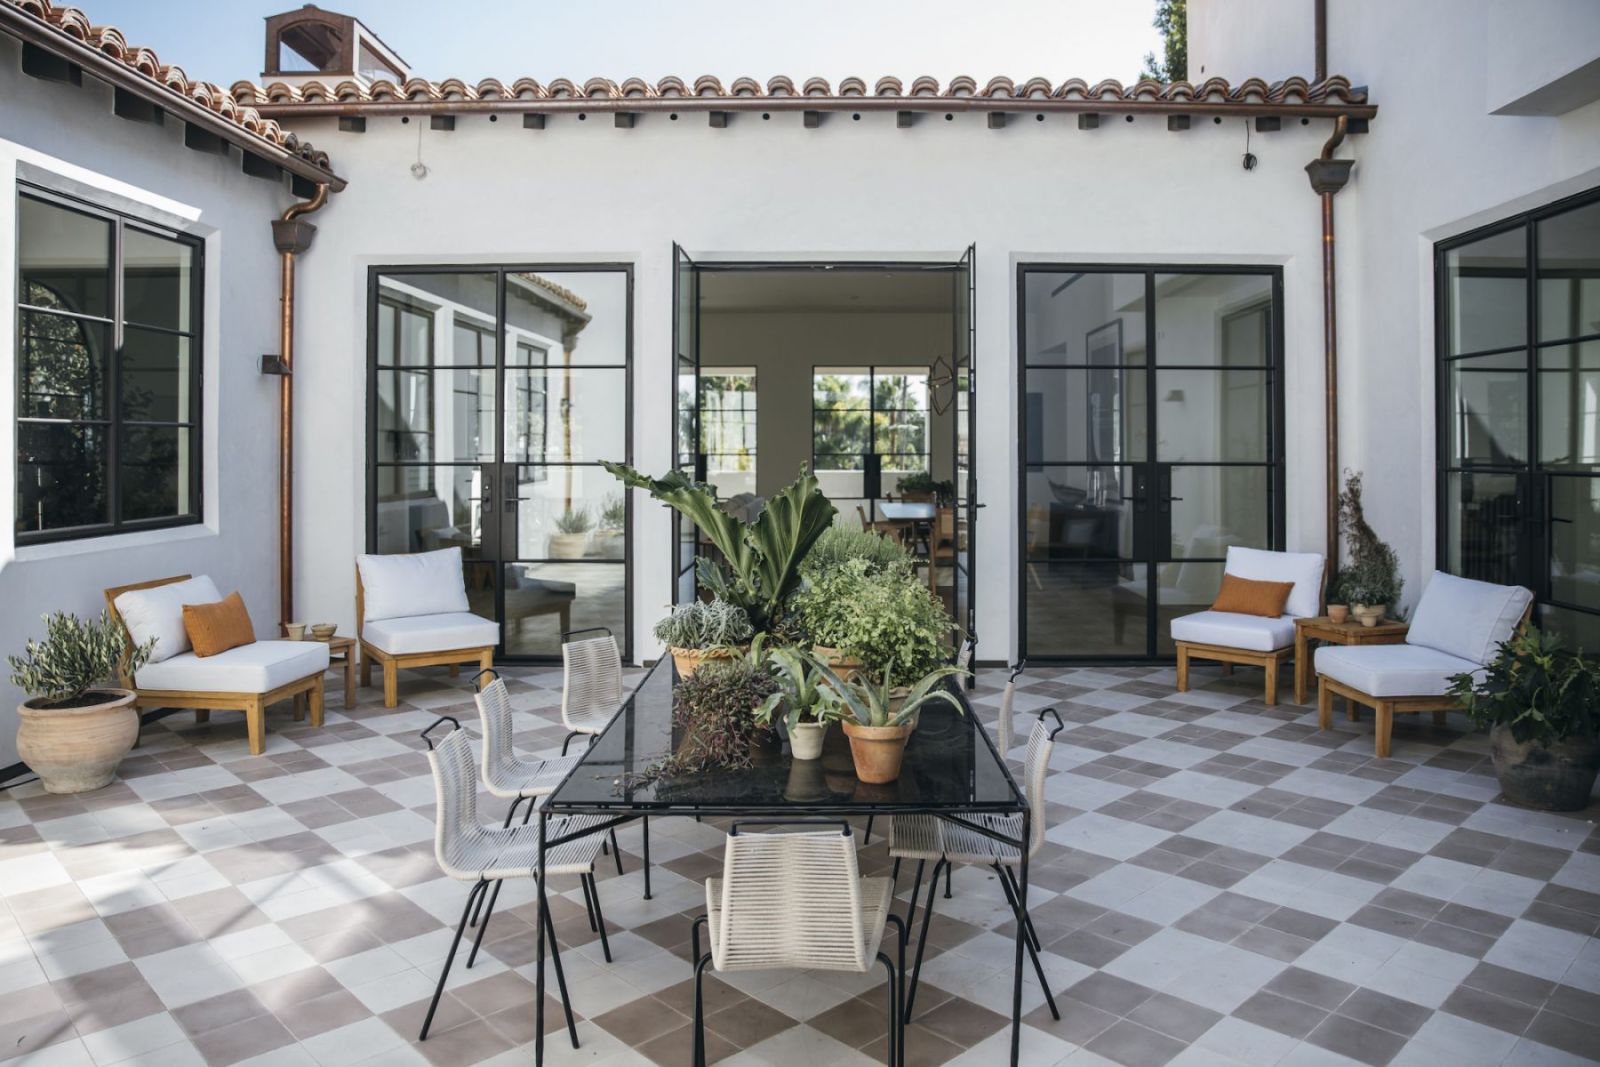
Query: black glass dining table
(951, 770)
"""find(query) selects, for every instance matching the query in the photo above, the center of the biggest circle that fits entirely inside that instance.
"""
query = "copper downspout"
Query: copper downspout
(1328, 176)
(291, 238)
(1319, 39)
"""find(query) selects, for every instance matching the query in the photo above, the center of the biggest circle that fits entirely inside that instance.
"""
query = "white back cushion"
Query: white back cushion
(158, 612)
(424, 583)
(1467, 618)
(1304, 569)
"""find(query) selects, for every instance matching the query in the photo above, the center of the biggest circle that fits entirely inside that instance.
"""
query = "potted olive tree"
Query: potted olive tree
(877, 721)
(1541, 706)
(76, 726)
(703, 630)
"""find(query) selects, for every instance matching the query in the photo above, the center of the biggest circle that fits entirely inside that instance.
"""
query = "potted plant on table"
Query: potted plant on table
(75, 726)
(921, 486)
(703, 630)
(1338, 599)
(800, 700)
(877, 721)
(1541, 705)
(571, 538)
(871, 620)
(1371, 583)
(714, 722)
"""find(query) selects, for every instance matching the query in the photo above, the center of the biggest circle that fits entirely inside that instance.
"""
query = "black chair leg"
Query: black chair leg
(947, 868)
(922, 939)
(894, 879)
(473, 897)
(588, 902)
(568, 741)
(616, 850)
(1016, 893)
(1011, 899)
(893, 989)
(561, 978)
(472, 957)
(867, 840)
(900, 985)
(694, 938)
(1031, 939)
(699, 1012)
(644, 825)
(599, 917)
(916, 888)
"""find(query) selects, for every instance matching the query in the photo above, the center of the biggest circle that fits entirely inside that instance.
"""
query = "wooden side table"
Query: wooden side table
(345, 648)
(1322, 628)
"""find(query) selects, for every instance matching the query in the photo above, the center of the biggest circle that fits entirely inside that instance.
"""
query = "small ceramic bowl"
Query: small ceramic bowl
(324, 630)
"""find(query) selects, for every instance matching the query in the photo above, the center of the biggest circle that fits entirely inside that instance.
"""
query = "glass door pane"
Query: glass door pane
(965, 383)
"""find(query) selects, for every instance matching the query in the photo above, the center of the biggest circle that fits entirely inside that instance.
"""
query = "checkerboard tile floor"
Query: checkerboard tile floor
(1222, 884)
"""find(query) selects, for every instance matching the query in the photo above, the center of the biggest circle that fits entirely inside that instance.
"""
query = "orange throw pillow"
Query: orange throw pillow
(1242, 596)
(214, 628)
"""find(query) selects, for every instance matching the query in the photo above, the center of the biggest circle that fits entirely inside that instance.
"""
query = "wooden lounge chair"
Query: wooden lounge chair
(248, 678)
(412, 611)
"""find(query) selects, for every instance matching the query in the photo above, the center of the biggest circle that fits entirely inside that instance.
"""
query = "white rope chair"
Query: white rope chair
(927, 838)
(512, 778)
(591, 683)
(469, 851)
(797, 900)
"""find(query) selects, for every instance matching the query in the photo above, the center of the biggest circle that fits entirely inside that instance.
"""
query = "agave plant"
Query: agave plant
(763, 557)
(800, 681)
(866, 701)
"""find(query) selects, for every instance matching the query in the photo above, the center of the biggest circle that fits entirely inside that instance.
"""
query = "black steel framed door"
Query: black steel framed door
(965, 388)
(1518, 336)
(689, 453)
(1151, 440)
(494, 393)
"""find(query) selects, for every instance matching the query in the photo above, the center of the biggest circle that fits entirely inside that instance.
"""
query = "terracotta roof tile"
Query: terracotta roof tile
(74, 23)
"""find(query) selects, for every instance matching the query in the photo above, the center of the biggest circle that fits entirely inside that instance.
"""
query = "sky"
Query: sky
(223, 40)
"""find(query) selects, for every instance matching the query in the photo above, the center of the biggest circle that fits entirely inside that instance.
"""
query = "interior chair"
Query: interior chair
(468, 851)
(591, 696)
(1458, 628)
(926, 838)
(942, 545)
(247, 678)
(797, 900)
(1231, 637)
(412, 611)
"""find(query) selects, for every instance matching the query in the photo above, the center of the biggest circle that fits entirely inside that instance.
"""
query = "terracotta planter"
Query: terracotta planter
(568, 546)
(844, 666)
(1338, 613)
(877, 751)
(74, 750)
(689, 660)
(897, 700)
(1368, 615)
(1557, 777)
(805, 740)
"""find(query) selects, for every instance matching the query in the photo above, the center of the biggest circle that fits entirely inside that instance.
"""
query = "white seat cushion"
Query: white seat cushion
(431, 633)
(253, 668)
(1467, 618)
(1304, 569)
(158, 612)
(402, 586)
(1392, 670)
(1231, 630)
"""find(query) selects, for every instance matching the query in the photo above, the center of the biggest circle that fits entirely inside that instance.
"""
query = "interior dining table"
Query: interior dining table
(951, 770)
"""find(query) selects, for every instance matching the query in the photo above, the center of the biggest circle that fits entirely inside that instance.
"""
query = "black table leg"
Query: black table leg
(1022, 934)
(644, 824)
(538, 957)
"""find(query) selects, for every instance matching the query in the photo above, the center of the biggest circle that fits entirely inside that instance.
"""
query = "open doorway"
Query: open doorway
(861, 371)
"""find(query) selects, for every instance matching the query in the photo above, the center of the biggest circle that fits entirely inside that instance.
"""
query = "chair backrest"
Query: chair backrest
(1041, 743)
(458, 837)
(1304, 569)
(591, 678)
(1467, 618)
(397, 586)
(1002, 726)
(156, 615)
(494, 709)
(790, 900)
(866, 523)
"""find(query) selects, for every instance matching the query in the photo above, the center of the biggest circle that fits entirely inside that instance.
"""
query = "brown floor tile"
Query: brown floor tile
(219, 1011)
(1133, 1045)
(321, 1014)
(748, 1022)
(242, 1040)
(640, 1020)
(676, 1047)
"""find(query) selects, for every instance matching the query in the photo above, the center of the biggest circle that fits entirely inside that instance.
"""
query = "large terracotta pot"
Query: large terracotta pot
(74, 750)
(689, 660)
(877, 750)
(1557, 777)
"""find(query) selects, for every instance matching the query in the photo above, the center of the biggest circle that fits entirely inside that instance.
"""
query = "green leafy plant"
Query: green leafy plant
(614, 515)
(887, 619)
(1539, 690)
(761, 567)
(943, 490)
(76, 655)
(713, 711)
(800, 678)
(867, 701)
(1373, 574)
(705, 625)
(574, 522)
(840, 544)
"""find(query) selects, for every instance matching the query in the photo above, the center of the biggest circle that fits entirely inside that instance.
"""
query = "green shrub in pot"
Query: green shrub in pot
(840, 544)
(703, 630)
(887, 620)
(75, 725)
(1541, 705)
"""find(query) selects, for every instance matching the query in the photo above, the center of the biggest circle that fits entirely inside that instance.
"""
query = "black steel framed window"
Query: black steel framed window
(1150, 416)
(108, 372)
(495, 391)
(1517, 332)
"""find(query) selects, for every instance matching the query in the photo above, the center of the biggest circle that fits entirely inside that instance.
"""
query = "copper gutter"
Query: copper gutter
(1319, 39)
(1328, 176)
(291, 238)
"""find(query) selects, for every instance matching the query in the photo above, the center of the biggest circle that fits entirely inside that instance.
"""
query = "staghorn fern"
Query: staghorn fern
(75, 656)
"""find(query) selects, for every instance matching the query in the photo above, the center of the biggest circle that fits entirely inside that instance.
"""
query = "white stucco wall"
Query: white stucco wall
(586, 191)
(67, 138)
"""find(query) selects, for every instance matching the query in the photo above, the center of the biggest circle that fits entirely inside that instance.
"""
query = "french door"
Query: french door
(964, 396)
(1519, 400)
(1151, 440)
(494, 394)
